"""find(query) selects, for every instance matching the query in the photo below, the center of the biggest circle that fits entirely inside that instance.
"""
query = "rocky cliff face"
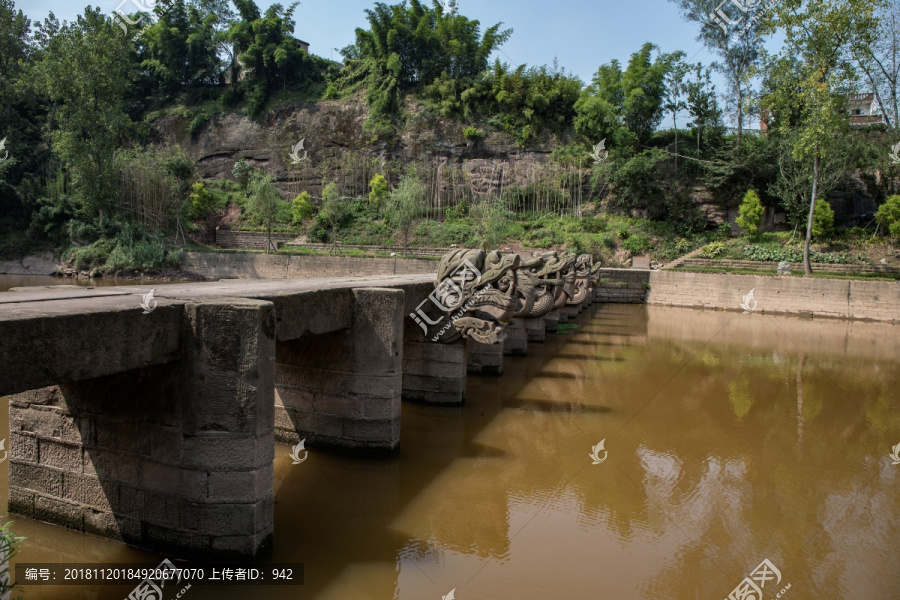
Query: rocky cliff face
(333, 130)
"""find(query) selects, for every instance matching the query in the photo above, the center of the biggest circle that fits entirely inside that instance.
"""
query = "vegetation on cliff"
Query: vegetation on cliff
(81, 175)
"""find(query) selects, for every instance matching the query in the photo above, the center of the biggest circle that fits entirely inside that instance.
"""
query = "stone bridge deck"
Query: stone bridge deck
(158, 429)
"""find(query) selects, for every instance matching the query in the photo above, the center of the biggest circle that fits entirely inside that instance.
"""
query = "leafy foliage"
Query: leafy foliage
(750, 213)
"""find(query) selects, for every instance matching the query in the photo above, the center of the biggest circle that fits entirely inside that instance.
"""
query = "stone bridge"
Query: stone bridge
(157, 428)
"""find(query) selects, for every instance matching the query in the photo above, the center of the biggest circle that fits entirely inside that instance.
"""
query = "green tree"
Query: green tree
(706, 118)
(301, 208)
(266, 203)
(888, 216)
(85, 72)
(735, 35)
(268, 53)
(675, 92)
(636, 95)
(821, 32)
(379, 192)
(405, 207)
(410, 46)
(180, 49)
(334, 210)
(750, 213)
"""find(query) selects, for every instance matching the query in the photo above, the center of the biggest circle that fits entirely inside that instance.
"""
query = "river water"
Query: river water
(729, 438)
(12, 281)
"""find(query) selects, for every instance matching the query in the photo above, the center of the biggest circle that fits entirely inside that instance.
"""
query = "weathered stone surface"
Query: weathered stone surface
(83, 458)
(484, 359)
(343, 389)
(434, 373)
(536, 329)
(475, 295)
(516, 342)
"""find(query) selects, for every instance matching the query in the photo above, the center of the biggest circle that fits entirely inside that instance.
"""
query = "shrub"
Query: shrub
(302, 208)
(713, 250)
(823, 220)
(473, 134)
(198, 122)
(888, 216)
(637, 244)
(200, 200)
(243, 171)
(593, 225)
(379, 190)
(750, 213)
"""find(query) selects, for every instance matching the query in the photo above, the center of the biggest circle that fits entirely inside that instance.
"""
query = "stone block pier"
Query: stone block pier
(157, 427)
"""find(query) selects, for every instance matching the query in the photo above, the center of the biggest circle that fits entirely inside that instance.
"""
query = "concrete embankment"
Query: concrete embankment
(234, 265)
(817, 297)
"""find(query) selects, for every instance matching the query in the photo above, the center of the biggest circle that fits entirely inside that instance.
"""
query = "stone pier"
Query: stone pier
(516, 342)
(551, 321)
(484, 359)
(341, 390)
(175, 458)
(434, 373)
(536, 329)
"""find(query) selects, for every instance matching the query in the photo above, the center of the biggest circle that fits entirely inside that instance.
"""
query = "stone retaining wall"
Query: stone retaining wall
(795, 266)
(228, 265)
(226, 238)
(622, 286)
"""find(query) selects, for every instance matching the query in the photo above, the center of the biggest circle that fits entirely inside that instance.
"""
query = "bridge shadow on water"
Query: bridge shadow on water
(353, 520)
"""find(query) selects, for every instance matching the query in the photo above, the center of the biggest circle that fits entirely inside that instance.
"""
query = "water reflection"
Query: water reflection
(732, 438)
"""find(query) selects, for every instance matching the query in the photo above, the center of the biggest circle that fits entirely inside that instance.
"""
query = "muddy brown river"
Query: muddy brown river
(728, 439)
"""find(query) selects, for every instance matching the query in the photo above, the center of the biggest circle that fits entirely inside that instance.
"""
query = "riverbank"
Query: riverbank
(812, 297)
(854, 299)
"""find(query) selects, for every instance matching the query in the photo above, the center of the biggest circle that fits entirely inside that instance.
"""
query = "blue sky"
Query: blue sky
(581, 35)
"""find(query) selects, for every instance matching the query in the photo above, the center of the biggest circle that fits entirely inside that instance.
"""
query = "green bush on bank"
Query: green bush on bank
(131, 247)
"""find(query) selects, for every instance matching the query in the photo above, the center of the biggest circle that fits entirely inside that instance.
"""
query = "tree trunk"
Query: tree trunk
(812, 207)
(740, 113)
(675, 126)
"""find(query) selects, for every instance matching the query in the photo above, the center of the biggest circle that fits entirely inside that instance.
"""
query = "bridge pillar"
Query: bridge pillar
(551, 321)
(174, 458)
(536, 329)
(484, 359)
(342, 390)
(433, 373)
(516, 342)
